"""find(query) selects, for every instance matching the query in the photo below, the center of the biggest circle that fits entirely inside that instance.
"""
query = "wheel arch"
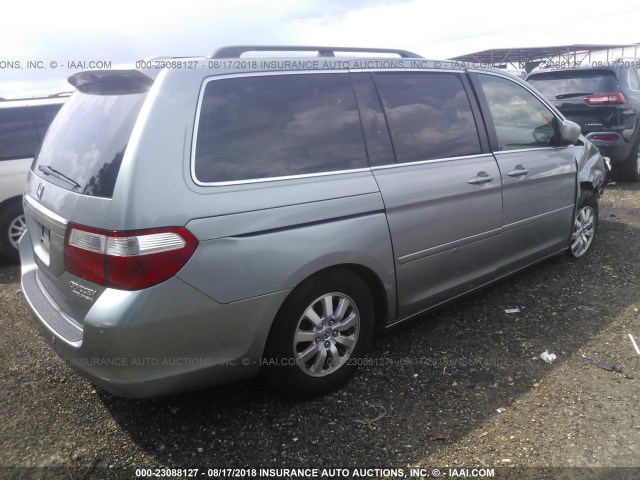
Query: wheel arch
(8, 210)
(381, 300)
(587, 186)
(10, 201)
(294, 380)
(376, 287)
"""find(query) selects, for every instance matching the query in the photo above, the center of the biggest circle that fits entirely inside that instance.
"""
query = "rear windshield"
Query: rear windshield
(573, 83)
(85, 143)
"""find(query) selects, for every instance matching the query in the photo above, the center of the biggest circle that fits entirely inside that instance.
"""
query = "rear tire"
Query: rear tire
(322, 329)
(12, 225)
(629, 169)
(585, 225)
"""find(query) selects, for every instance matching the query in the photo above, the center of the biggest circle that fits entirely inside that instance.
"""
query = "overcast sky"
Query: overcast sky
(124, 31)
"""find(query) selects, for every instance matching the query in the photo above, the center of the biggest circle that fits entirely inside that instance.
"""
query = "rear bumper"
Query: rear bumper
(617, 150)
(158, 341)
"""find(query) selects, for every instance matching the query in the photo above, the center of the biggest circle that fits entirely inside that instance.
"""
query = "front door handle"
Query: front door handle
(519, 171)
(480, 178)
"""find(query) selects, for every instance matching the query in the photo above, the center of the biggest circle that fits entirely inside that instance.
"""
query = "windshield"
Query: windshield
(85, 143)
(567, 83)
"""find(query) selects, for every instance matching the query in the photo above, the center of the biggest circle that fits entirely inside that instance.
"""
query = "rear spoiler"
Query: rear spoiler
(111, 82)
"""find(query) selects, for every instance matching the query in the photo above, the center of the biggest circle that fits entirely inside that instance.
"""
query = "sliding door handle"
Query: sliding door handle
(480, 178)
(519, 171)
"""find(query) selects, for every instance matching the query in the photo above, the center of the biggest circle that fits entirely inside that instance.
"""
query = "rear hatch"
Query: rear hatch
(589, 97)
(74, 176)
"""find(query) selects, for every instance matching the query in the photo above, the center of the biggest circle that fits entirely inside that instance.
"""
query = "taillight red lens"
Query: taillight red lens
(605, 99)
(604, 138)
(127, 260)
(84, 253)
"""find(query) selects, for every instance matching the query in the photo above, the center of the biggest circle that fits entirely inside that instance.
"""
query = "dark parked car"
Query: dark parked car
(604, 99)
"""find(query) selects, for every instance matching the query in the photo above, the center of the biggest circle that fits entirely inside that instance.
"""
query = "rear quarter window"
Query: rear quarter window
(270, 126)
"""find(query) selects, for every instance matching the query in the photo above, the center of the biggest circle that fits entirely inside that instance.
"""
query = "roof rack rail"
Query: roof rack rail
(38, 97)
(156, 57)
(166, 57)
(234, 51)
(60, 94)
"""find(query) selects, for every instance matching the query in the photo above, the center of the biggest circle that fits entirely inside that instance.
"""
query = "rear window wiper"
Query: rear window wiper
(48, 170)
(569, 95)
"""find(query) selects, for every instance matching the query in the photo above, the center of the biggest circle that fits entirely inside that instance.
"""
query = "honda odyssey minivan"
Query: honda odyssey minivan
(192, 222)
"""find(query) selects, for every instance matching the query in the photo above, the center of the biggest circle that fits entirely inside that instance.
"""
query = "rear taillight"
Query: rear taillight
(604, 138)
(605, 99)
(127, 260)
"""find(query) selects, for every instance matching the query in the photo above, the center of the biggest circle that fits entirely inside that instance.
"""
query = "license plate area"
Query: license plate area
(45, 237)
(42, 246)
(46, 230)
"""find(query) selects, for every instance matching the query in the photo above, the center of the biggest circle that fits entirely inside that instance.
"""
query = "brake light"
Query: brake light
(605, 99)
(127, 260)
(604, 138)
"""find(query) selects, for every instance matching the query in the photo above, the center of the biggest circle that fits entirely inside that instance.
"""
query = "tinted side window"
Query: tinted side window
(374, 125)
(429, 115)
(42, 116)
(18, 137)
(277, 125)
(521, 120)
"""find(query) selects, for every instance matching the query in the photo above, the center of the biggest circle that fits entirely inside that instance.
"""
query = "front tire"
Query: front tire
(12, 226)
(321, 331)
(585, 225)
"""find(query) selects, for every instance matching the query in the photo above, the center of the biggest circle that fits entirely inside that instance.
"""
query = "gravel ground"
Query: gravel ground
(428, 398)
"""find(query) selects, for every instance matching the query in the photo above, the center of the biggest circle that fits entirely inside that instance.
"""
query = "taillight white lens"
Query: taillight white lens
(144, 244)
(127, 260)
(93, 242)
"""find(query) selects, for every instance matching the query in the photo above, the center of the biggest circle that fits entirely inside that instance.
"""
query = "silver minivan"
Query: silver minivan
(197, 221)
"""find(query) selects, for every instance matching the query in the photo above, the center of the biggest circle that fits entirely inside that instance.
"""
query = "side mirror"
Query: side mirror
(569, 131)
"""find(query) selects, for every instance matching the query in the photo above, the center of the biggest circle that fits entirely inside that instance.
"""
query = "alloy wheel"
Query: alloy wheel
(16, 229)
(326, 334)
(583, 231)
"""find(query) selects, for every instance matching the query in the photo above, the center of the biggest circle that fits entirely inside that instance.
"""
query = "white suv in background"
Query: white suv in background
(23, 124)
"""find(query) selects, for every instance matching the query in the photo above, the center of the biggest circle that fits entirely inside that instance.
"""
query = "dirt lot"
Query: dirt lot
(429, 397)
